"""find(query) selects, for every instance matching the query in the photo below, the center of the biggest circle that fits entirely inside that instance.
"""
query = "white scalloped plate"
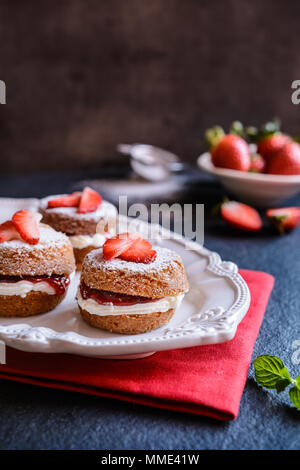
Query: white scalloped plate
(217, 301)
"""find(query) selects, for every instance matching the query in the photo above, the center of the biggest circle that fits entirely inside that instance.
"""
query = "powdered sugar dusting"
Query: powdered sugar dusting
(48, 237)
(165, 259)
(104, 211)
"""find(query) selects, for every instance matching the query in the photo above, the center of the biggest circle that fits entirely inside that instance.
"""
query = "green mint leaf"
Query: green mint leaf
(298, 382)
(269, 370)
(294, 393)
(281, 385)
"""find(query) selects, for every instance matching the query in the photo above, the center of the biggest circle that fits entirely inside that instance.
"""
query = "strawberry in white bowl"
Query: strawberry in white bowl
(264, 179)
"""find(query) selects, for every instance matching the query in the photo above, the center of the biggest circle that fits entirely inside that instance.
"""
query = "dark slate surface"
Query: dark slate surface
(37, 418)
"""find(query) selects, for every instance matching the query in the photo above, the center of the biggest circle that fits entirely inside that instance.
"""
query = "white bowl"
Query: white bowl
(259, 189)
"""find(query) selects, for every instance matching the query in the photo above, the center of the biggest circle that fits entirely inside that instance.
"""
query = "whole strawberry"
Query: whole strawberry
(258, 163)
(286, 161)
(268, 146)
(231, 152)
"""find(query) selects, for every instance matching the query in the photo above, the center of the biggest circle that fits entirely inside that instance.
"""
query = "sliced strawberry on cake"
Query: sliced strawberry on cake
(116, 246)
(83, 216)
(8, 232)
(69, 200)
(89, 202)
(140, 251)
(26, 224)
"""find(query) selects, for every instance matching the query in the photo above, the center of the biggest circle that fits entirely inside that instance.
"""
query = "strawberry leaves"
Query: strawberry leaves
(214, 135)
(250, 133)
(237, 128)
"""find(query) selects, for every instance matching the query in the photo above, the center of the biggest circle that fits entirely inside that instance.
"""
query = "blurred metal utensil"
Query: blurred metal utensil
(152, 163)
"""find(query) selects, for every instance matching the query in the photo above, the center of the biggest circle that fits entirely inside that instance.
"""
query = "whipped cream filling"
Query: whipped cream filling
(83, 241)
(161, 305)
(22, 288)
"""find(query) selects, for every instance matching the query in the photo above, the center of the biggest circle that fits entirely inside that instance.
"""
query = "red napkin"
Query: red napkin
(204, 380)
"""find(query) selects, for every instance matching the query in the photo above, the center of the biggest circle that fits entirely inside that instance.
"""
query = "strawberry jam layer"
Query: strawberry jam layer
(104, 297)
(58, 282)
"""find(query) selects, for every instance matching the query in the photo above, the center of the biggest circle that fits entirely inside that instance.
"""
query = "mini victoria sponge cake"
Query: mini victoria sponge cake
(34, 275)
(131, 297)
(77, 215)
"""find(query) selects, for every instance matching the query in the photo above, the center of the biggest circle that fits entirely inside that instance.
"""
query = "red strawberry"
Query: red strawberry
(268, 146)
(70, 200)
(140, 252)
(27, 225)
(286, 161)
(285, 218)
(8, 232)
(241, 216)
(258, 163)
(231, 152)
(113, 247)
(90, 201)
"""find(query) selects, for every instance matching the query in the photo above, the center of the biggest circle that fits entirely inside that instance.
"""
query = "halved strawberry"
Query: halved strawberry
(284, 218)
(69, 200)
(139, 252)
(8, 232)
(89, 202)
(113, 247)
(27, 225)
(241, 216)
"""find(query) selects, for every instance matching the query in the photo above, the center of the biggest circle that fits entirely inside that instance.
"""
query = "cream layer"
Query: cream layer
(22, 288)
(161, 305)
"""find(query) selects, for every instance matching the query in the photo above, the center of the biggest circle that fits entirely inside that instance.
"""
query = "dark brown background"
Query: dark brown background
(82, 76)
